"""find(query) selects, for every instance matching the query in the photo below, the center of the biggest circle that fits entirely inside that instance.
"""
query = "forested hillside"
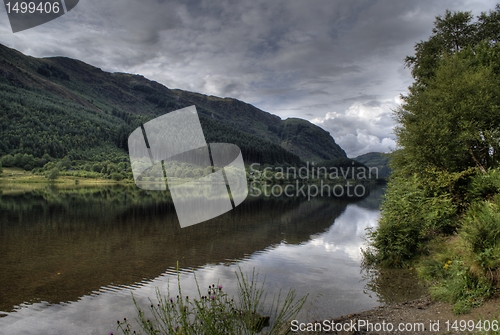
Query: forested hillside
(60, 107)
(376, 159)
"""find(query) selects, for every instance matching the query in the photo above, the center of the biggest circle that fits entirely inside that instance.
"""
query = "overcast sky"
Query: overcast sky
(338, 64)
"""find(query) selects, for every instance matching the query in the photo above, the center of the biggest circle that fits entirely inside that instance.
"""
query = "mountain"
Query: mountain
(61, 107)
(376, 159)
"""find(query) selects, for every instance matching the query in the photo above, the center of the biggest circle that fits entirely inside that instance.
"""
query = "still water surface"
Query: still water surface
(70, 258)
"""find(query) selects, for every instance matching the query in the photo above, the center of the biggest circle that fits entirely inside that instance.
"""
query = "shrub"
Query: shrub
(465, 273)
(481, 226)
(484, 185)
(117, 176)
(52, 174)
(409, 218)
(8, 161)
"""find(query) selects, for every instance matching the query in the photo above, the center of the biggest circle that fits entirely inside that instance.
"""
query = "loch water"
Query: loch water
(71, 257)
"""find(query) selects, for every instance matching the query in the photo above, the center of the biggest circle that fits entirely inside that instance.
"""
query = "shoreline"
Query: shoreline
(19, 176)
(435, 317)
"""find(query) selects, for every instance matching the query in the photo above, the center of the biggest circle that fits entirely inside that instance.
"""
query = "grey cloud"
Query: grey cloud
(358, 98)
(373, 103)
(292, 58)
(318, 92)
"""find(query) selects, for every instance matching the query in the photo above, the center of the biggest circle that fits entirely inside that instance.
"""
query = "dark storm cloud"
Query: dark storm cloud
(337, 63)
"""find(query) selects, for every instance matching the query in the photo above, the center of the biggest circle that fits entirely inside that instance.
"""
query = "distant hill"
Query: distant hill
(376, 159)
(308, 141)
(61, 107)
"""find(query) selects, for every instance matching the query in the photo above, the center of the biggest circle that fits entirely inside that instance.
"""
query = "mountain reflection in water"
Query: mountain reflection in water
(79, 251)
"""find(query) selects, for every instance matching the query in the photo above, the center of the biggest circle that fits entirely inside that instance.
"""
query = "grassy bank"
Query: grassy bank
(455, 249)
(20, 176)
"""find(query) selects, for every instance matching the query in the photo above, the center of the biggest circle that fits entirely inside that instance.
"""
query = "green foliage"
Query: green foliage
(481, 226)
(348, 166)
(63, 107)
(53, 173)
(451, 34)
(216, 313)
(452, 279)
(378, 160)
(460, 287)
(409, 218)
(446, 176)
(309, 141)
(481, 233)
(453, 123)
(117, 176)
(484, 185)
(448, 136)
(52, 71)
(465, 270)
(253, 149)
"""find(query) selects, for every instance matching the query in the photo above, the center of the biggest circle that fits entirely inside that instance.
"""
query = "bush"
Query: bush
(117, 176)
(409, 218)
(484, 185)
(8, 161)
(481, 226)
(467, 268)
(52, 174)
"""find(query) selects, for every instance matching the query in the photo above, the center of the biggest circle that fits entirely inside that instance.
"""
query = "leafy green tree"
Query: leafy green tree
(8, 160)
(452, 33)
(454, 124)
(97, 167)
(448, 132)
(65, 163)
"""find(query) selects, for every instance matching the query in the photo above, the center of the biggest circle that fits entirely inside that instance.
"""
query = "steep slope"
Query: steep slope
(61, 106)
(378, 160)
(308, 141)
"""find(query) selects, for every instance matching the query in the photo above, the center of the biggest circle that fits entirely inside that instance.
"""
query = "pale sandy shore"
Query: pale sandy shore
(421, 316)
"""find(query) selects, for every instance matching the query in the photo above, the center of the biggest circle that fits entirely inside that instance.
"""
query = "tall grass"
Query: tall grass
(216, 312)
(465, 268)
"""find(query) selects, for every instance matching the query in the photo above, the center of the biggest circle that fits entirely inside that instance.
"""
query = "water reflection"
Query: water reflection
(72, 256)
